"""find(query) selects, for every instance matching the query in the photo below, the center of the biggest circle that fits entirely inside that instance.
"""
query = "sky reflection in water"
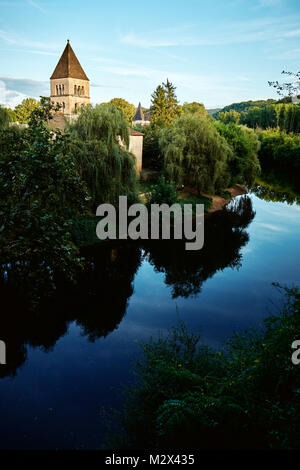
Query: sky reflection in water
(55, 398)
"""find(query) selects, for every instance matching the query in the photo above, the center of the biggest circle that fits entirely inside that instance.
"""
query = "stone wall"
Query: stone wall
(136, 148)
(64, 92)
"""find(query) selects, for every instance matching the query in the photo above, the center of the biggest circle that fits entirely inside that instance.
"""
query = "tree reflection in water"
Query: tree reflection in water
(224, 236)
(278, 187)
(97, 303)
(99, 299)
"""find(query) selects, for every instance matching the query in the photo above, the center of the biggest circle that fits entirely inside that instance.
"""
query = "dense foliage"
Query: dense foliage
(152, 157)
(244, 396)
(195, 154)
(162, 192)
(23, 111)
(279, 150)
(244, 105)
(98, 145)
(7, 115)
(284, 116)
(164, 108)
(40, 190)
(244, 165)
(126, 108)
(229, 116)
(193, 108)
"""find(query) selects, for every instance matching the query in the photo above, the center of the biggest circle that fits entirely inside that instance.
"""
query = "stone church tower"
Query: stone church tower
(69, 85)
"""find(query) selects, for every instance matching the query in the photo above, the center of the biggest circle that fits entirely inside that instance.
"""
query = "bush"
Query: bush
(162, 192)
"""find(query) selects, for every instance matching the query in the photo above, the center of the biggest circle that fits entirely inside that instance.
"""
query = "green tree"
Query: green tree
(229, 116)
(245, 105)
(126, 108)
(193, 108)
(6, 115)
(284, 115)
(151, 152)
(279, 150)
(244, 165)
(252, 117)
(23, 111)
(105, 165)
(195, 153)
(162, 193)
(40, 191)
(164, 105)
(281, 116)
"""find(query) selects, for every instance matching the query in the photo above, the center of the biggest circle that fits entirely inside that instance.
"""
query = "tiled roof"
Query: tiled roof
(134, 132)
(68, 66)
(139, 115)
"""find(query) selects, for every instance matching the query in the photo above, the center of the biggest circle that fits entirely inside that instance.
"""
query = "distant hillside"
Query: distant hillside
(243, 105)
(213, 111)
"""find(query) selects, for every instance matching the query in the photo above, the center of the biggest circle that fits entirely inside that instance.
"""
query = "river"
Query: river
(67, 361)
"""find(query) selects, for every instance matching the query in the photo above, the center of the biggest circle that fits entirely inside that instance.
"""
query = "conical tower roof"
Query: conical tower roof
(139, 115)
(68, 66)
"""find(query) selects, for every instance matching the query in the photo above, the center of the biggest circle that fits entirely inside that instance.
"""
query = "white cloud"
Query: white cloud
(14, 90)
(9, 98)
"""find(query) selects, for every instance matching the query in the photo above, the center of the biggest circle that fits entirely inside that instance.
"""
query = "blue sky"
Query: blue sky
(215, 52)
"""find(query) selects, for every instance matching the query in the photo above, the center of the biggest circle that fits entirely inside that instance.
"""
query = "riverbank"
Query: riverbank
(218, 202)
(84, 228)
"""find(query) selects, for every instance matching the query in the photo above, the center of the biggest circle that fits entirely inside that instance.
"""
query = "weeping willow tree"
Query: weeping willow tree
(196, 154)
(99, 139)
(5, 117)
(244, 166)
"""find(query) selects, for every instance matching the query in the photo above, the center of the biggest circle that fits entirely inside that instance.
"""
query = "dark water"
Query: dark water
(67, 360)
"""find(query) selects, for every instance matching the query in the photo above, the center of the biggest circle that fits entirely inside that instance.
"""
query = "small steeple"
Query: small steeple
(139, 115)
(68, 65)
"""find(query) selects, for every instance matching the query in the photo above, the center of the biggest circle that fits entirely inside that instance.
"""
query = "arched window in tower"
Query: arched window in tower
(76, 107)
(63, 89)
(57, 89)
(74, 89)
(82, 90)
(60, 89)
